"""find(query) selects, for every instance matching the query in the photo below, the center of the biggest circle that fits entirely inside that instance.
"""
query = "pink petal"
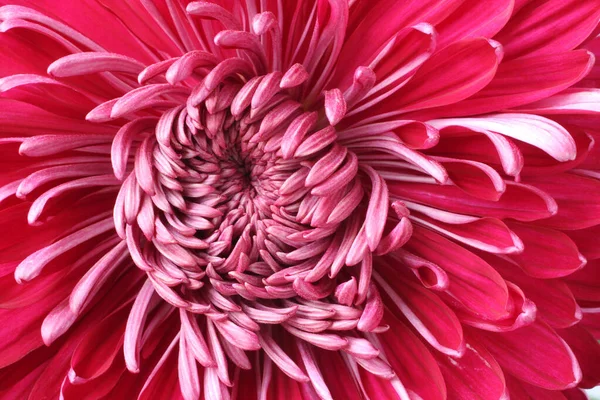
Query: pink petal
(184, 66)
(314, 373)
(377, 209)
(122, 143)
(480, 145)
(135, 325)
(295, 133)
(335, 106)
(372, 25)
(189, 382)
(569, 101)
(521, 312)
(391, 67)
(487, 234)
(550, 136)
(91, 283)
(373, 311)
(89, 63)
(33, 265)
(287, 365)
(194, 338)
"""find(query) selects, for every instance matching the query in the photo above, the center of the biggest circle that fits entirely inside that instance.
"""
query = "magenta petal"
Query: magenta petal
(475, 19)
(455, 78)
(436, 322)
(413, 362)
(373, 26)
(525, 80)
(547, 253)
(20, 339)
(23, 375)
(99, 348)
(572, 212)
(587, 352)
(162, 380)
(519, 201)
(550, 137)
(521, 389)
(537, 27)
(477, 179)
(474, 284)
(475, 373)
(487, 234)
(585, 241)
(521, 352)
(553, 299)
(585, 282)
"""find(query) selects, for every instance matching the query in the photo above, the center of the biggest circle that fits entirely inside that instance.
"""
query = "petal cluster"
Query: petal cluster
(308, 200)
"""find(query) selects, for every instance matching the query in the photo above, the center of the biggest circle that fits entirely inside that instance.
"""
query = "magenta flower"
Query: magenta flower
(328, 199)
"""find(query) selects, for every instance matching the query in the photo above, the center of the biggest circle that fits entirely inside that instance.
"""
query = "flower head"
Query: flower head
(330, 199)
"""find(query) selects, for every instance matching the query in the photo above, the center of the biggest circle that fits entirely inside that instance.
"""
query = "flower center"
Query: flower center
(227, 184)
(241, 194)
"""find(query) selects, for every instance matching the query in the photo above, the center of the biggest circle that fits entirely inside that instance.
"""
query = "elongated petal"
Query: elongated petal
(547, 253)
(89, 63)
(455, 78)
(533, 30)
(521, 352)
(487, 378)
(440, 328)
(473, 282)
(525, 80)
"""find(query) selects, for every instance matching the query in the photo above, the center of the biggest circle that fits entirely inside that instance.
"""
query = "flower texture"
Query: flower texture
(325, 199)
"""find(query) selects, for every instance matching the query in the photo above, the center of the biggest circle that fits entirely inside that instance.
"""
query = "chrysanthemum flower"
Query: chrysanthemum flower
(327, 199)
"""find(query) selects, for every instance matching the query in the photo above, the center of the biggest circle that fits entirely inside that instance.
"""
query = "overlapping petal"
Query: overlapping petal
(305, 200)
